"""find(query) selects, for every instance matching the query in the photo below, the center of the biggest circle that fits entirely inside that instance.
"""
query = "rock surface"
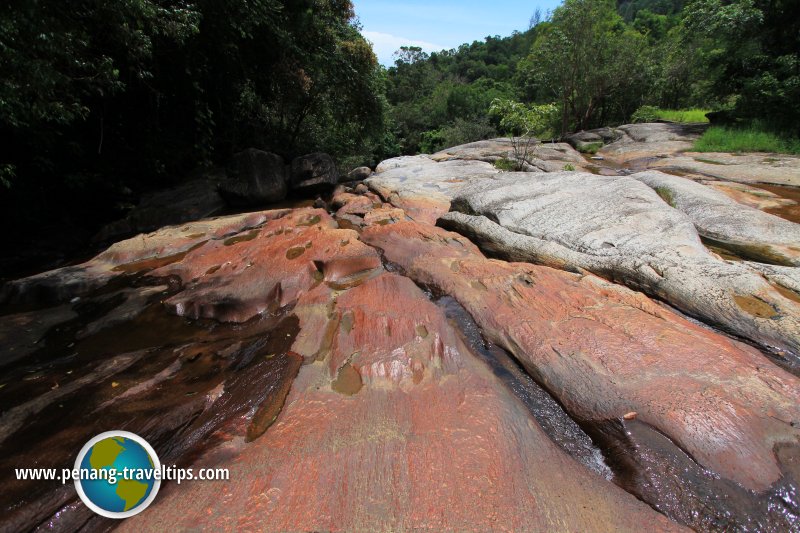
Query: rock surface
(313, 172)
(747, 231)
(542, 157)
(422, 187)
(421, 436)
(359, 174)
(255, 178)
(652, 140)
(621, 229)
(361, 369)
(604, 351)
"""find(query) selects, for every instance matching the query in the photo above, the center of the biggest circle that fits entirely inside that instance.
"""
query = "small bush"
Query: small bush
(646, 113)
(753, 139)
(569, 167)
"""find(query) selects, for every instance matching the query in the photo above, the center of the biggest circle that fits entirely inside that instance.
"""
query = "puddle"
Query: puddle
(155, 374)
(741, 252)
(348, 381)
(787, 212)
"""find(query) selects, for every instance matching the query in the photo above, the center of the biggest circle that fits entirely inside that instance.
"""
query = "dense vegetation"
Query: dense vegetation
(101, 100)
(601, 61)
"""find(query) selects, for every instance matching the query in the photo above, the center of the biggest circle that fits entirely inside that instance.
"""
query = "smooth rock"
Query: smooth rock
(652, 140)
(604, 351)
(418, 435)
(746, 231)
(359, 174)
(423, 187)
(621, 229)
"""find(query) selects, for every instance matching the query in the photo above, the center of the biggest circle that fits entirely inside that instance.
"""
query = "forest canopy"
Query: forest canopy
(102, 100)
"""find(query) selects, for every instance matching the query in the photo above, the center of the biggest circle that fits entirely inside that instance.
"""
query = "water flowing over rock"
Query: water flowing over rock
(358, 368)
(604, 351)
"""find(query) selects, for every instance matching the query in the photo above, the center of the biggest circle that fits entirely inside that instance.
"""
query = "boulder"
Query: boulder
(585, 141)
(423, 187)
(193, 200)
(255, 178)
(621, 229)
(358, 174)
(313, 172)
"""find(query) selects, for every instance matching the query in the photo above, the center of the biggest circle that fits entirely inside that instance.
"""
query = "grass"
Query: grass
(666, 195)
(683, 115)
(506, 164)
(724, 139)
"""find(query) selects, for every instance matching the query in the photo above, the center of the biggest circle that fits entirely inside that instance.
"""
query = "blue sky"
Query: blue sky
(441, 24)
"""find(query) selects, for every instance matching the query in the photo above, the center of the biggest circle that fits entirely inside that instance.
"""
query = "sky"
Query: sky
(435, 25)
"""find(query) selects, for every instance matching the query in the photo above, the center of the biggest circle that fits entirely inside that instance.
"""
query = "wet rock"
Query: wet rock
(22, 333)
(748, 195)
(430, 439)
(619, 228)
(255, 178)
(748, 232)
(313, 172)
(604, 351)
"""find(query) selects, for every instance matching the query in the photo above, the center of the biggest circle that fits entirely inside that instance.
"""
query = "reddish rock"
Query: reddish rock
(605, 351)
(269, 267)
(421, 436)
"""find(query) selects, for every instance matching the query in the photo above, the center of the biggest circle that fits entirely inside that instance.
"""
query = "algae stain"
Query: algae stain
(294, 253)
(310, 221)
(786, 292)
(249, 236)
(422, 331)
(348, 381)
(347, 322)
(755, 307)
(666, 195)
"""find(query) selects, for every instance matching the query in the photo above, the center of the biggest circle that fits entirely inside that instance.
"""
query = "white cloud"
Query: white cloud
(385, 45)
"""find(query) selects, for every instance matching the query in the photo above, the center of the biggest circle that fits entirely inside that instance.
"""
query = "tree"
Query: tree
(523, 123)
(590, 62)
